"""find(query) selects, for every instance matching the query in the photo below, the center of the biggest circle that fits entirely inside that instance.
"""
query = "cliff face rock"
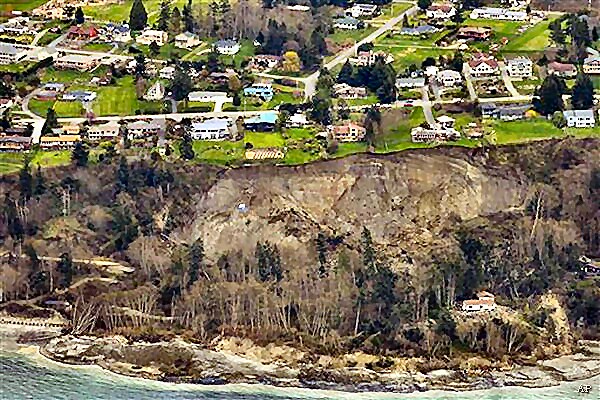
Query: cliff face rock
(403, 199)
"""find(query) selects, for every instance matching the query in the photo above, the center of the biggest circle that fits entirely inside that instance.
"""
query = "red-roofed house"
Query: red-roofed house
(349, 132)
(560, 69)
(441, 11)
(485, 302)
(483, 66)
(82, 32)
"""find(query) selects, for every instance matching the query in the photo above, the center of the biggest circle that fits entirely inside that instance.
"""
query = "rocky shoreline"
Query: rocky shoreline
(182, 362)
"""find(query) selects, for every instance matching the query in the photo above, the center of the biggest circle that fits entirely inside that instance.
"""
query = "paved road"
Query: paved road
(38, 36)
(469, 82)
(507, 80)
(25, 105)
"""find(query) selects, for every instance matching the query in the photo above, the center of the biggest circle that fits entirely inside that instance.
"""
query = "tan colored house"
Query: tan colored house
(485, 302)
(349, 132)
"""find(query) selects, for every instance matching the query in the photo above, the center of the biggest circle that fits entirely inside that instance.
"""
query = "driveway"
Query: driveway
(507, 80)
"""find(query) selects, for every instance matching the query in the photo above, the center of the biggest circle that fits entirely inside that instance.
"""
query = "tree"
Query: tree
(282, 120)
(123, 183)
(11, 218)
(558, 120)
(65, 268)
(25, 181)
(185, 147)
(181, 85)
(39, 187)
(557, 34)
(583, 92)
(346, 74)
(138, 17)
(595, 36)
(343, 109)
(79, 17)
(80, 154)
(234, 84)
(175, 22)
(164, 15)
(140, 65)
(550, 95)
(188, 18)
(154, 48)
(196, 258)
(457, 62)
(321, 109)
(321, 245)
(51, 121)
(424, 4)
(291, 62)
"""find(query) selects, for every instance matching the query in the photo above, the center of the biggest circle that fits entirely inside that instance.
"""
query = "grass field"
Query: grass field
(120, 99)
(20, 5)
(12, 162)
(391, 11)
(532, 40)
(523, 131)
(507, 29)
(119, 11)
(405, 56)
(341, 35)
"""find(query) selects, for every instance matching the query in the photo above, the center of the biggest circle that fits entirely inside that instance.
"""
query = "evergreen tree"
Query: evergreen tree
(424, 4)
(154, 48)
(175, 22)
(80, 154)
(580, 31)
(595, 36)
(550, 95)
(11, 218)
(343, 109)
(346, 74)
(188, 18)
(25, 181)
(140, 66)
(51, 121)
(66, 269)
(138, 18)
(367, 250)
(39, 187)
(181, 85)
(557, 33)
(185, 147)
(196, 259)
(583, 92)
(164, 15)
(123, 183)
(386, 93)
(79, 17)
(321, 244)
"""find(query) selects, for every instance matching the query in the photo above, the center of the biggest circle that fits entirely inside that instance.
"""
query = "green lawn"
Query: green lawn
(398, 40)
(342, 35)
(69, 109)
(523, 131)
(119, 11)
(120, 99)
(167, 52)
(345, 149)
(263, 139)
(391, 11)
(218, 152)
(20, 5)
(398, 137)
(534, 39)
(501, 29)
(103, 47)
(197, 106)
(405, 56)
(12, 162)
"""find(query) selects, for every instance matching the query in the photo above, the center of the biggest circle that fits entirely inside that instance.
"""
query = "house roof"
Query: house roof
(341, 129)
(347, 21)
(491, 63)
(264, 118)
(440, 7)
(592, 59)
(226, 43)
(579, 114)
(210, 124)
(556, 66)
(484, 293)
(6, 48)
(445, 118)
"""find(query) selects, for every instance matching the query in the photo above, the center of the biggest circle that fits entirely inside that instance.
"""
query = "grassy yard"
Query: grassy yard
(103, 47)
(120, 99)
(391, 11)
(342, 35)
(405, 56)
(523, 131)
(12, 162)
(526, 86)
(119, 11)
(20, 5)
(398, 137)
(534, 39)
(218, 152)
(399, 40)
(263, 139)
(507, 29)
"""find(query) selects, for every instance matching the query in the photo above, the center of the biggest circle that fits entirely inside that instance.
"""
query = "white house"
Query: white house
(519, 67)
(211, 129)
(345, 91)
(410, 83)
(227, 47)
(166, 73)
(485, 302)
(298, 120)
(10, 54)
(187, 40)
(362, 10)
(483, 66)
(140, 128)
(441, 11)
(498, 14)
(77, 61)
(591, 65)
(367, 58)
(107, 131)
(84, 96)
(155, 93)
(449, 78)
(446, 122)
(347, 23)
(580, 118)
(151, 35)
(207, 97)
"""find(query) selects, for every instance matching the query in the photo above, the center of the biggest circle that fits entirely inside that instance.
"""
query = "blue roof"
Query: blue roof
(54, 85)
(264, 118)
(209, 124)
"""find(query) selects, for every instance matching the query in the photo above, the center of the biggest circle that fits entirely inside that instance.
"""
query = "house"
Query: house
(485, 302)
(187, 40)
(207, 97)
(106, 131)
(519, 67)
(345, 91)
(510, 112)
(118, 32)
(17, 26)
(580, 118)
(82, 32)
(348, 23)
(298, 120)
(498, 14)
(410, 83)
(5, 103)
(590, 267)
(152, 35)
(349, 132)
(227, 47)
(474, 33)
(79, 95)
(77, 61)
(263, 90)
(448, 78)
(156, 92)
(54, 87)
(166, 73)
(446, 122)
(263, 122)
(591, 65)
(422, 30)
(139, 129)
(15, 143)
(10, 54)
(423, 135)
(299, 8)
(59, 142)
(264, 62)
(269, 153)
(367, 58)
(360, 10)
(562, 70)
(211, 129)
(441, 11)
(483, 66)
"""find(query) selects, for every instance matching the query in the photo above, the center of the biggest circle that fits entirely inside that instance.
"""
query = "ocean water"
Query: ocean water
(30, 376)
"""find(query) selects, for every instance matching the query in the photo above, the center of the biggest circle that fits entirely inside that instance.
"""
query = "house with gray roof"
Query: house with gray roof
(580, 118)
